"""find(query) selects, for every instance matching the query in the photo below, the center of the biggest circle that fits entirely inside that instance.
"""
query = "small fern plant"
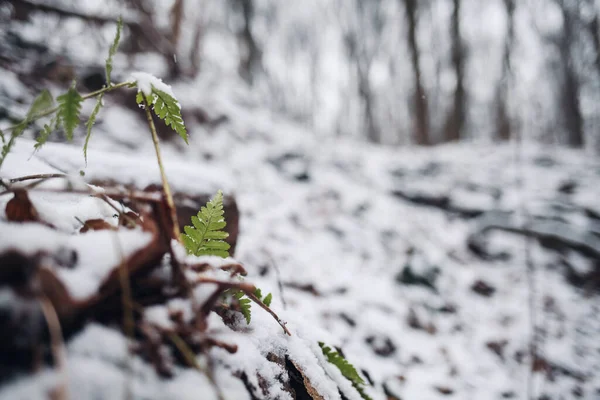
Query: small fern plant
(206, 237)
(347, 369)
(152, 93)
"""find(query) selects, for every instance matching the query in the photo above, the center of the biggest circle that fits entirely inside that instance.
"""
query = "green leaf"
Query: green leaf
(205, 236)
(113, 50)
(69, 108)
(245, 303)
(43, 102)
(267, 300)
(90, 123)
(345, 368)
(43, 137)
(167, 108)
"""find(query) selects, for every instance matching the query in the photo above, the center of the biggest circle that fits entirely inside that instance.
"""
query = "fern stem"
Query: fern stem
(163, 176)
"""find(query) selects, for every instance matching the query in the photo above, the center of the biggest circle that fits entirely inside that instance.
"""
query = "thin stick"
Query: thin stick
(36, 176)
(163, 176)
(57, 343)
(253, 297)
(106, 199)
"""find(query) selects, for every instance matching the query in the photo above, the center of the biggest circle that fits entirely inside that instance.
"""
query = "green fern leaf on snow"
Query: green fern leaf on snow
(206, 236)
(345, 368)
(167, 108)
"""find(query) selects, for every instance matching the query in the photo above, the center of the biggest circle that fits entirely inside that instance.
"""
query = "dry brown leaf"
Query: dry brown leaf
(96, 224)
(20, 208)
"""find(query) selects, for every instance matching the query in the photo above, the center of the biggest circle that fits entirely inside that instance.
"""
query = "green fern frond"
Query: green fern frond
(266, 300)
(113, 50)
(69, 107)
(206, 236)
(345, 368)
(45, 133)
(167, 108)
(245, 305)
(42, 103)
(43, 137)
(90, 123)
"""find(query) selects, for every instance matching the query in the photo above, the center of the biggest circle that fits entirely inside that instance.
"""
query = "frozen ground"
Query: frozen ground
(387, 253)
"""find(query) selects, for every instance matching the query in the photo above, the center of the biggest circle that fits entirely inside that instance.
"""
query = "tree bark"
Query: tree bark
(251, 62)
(421, 128)
(503, 122)
(455, 120)
(570, 86)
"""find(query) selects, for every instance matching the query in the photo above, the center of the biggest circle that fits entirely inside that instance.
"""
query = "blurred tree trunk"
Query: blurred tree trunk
(364, 90)
(421, 128)
(503, 122)
(456, 118)
(251, 61)
(361, 58)
(593, 28)
(570, 85)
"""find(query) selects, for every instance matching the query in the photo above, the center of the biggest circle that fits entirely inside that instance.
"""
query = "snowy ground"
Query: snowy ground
(328, 227)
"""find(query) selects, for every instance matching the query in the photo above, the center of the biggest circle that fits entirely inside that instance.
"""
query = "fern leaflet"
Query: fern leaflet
(345, 368)
(266, 300)
(166, 108)
(244, 303)
(69, 107)
(113, 50)
(206, 237)
(42, 103)
(45, 133)
(90, 123)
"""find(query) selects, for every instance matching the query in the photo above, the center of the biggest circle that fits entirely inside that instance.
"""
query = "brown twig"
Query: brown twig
(36, 176)
(56, 343)
(253, 297)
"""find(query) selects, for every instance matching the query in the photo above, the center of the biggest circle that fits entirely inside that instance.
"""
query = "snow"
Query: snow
(319, 220)
(145, 82)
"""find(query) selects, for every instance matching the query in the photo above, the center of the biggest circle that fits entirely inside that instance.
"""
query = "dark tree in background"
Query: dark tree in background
(503, 121)
(455, 121)
(421, 126)
(251, 55)
(570, 89)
